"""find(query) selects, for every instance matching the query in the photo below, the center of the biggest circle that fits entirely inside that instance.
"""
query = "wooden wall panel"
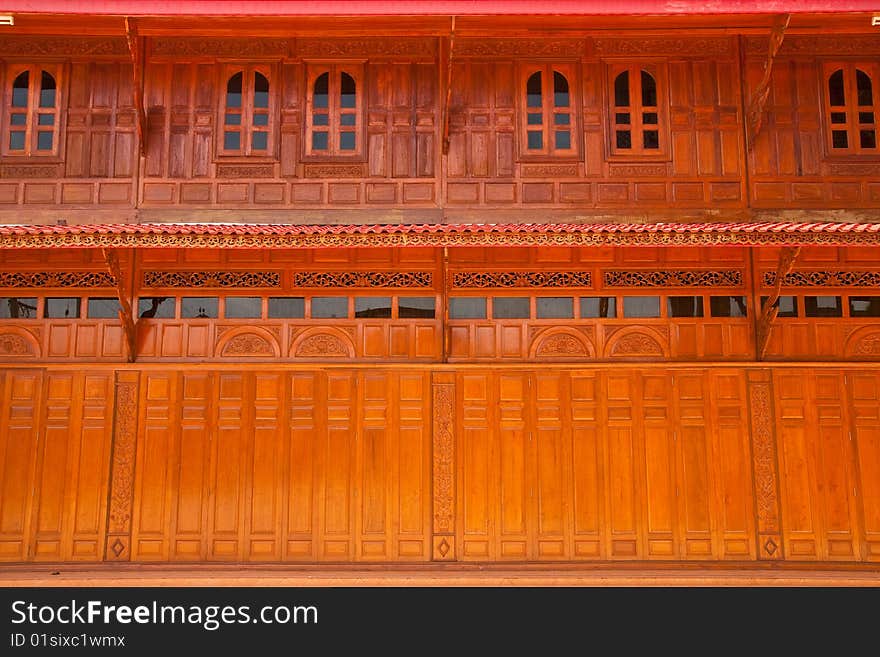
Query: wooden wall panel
(864, 402)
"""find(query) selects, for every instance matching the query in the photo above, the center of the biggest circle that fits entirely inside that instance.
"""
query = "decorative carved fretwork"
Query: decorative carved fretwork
(754, 114)
(489, 279)
(519, 48)
(335, 170)
(396, 279)
(224, 279)
(123, 462)
(549, 170)
(636, 343)
(245, 171)
(13, 344)
(672, 278)
(202, 47)
(248, 344)
(62, 46)
(824, 279)
(323, 345)
(361, 47)
(89, 279)
(837, 46)
(443, 459)
(126, 314)
(637, 170)
(664, 46)
(787, 257)
(764, 465)
(30, 171)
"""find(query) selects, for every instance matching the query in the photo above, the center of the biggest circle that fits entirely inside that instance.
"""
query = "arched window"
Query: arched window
(32, 112)
(247, 113)
(851, 109)
(549, 127)
(637, 114)
(334, 120)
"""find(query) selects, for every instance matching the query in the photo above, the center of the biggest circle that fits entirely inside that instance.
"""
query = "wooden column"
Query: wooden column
(118, 545)
(765, 470)
(443, 465)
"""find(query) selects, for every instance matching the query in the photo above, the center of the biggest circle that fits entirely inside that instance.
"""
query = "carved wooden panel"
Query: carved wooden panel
(764, 464)
(125, 431)
(863, 389)
(215, 279)
(443, 465)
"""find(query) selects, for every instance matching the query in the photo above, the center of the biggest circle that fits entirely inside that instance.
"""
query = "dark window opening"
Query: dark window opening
(511, 308)
(103, 308)
(18, 307)
(287, 307)
(641, 307)
(243, 307)
(823, 306)
(157, 307)
(467, 308)
(554, 308)
(788, 305)
(62, 308)
(728, 306)
(684, 306)
(199, 307)
(416, 307)
(864, 306)
(598, 307)
(329, 308)
(373, 307)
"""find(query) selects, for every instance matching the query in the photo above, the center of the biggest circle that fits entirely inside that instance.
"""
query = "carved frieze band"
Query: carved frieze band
(824, 279)
(403, 279)
(223, 279)
(444, 467)
(335, 171)
(818, 45)
(245, 171)
(118, 546)
(549, 170)
(484, 279)
(30, 171)
(672, 278)
(764, 465)
(201, 47)
(519, 47)
(56, 279)
(664, 46)
(419, 47)
(59, 46)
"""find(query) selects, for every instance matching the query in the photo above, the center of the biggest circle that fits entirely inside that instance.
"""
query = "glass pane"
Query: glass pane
(329, 307)
(562, 119)
(416, 307)
(684, 306)
(20, 90)
(287, 307)
(510, 308)
(18, 119)
(788, 306)
(593, 307)
(261, 90)
(243, 307)
(649, 90)
(44, 141)
(623, 139)
(347, 141)
(347, 119)
(838, 117)
(259, 141)
(864, 117)
(261, 119)
(66, 308)
(621, 90)
(47, 90)
(535, 118)
(233, 91)
(622, 118)
(533, 90)
(560, 90)
(16, 141)
(319, 141)
(863, 86)
(536, 139)
(836, 96)
(649, 118)
(348, 89)
(231, 141)
(641, 307)
(157, 307)
(372, 307)
(823, 307)
(839, 139)
(103, 308)
(728, 306)
(861, 306)
(563, 139)
(321, 90)
(867, 139)
(651, 139)
(467, 308)
(18, 307)
(554, 308)
(321, 119)
(199, 307)
(233, 119)
(49, 119)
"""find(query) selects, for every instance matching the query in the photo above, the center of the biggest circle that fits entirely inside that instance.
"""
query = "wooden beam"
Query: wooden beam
(755, 113)
(136, 50)
(126, 313)
(769, 310)
(448, 98)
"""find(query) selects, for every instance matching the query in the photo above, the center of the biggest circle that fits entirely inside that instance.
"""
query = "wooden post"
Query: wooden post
(443, 465)
(124, 449)
(787, 257)
(126, 312)
(136, 50)
(765, 471)
(755, 112)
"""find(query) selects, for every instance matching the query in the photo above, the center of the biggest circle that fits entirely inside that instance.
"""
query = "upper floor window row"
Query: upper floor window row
(851, 109)
(31, 112)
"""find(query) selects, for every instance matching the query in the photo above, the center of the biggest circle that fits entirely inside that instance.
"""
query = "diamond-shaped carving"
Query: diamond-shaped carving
(443, 548)
(770, 546)
(118, 547)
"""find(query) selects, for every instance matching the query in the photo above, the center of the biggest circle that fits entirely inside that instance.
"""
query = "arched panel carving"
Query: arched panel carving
(248, 342)
(322, 343)
(18, 343)
(561, 344)
(639, 342)
(864, 344)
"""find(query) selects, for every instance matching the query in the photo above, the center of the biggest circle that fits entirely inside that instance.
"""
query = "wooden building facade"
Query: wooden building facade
(441, 286)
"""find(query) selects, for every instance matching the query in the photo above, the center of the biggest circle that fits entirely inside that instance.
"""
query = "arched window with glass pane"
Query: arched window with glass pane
(32, 117)
(247, 113)
(549, 118)
(637, 114)
(851, 107)
(334, 112)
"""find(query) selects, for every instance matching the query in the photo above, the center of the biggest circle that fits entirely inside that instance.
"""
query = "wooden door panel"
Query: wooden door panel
(864, 404)
(621, 466)
(587, 458)
(265, 464)
(193, 450)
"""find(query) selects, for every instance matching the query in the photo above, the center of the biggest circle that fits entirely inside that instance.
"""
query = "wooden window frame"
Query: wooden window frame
(314, 69)
(548, 153)
(657, 69)
(854, 151)
(33, 111)
(246, 127)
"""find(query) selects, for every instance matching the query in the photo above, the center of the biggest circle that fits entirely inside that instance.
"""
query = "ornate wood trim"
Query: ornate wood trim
(672, 278)
(765, 469)
(211, 279)
(824, 278)
(443, 465)
(703, 47)
(755, 112)
(368, 279)
(787, 256)
(473, 47)
(43, 279)
(529, 279)
(118, 542)
(62, 46)
(365, 46)
(219, 47)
